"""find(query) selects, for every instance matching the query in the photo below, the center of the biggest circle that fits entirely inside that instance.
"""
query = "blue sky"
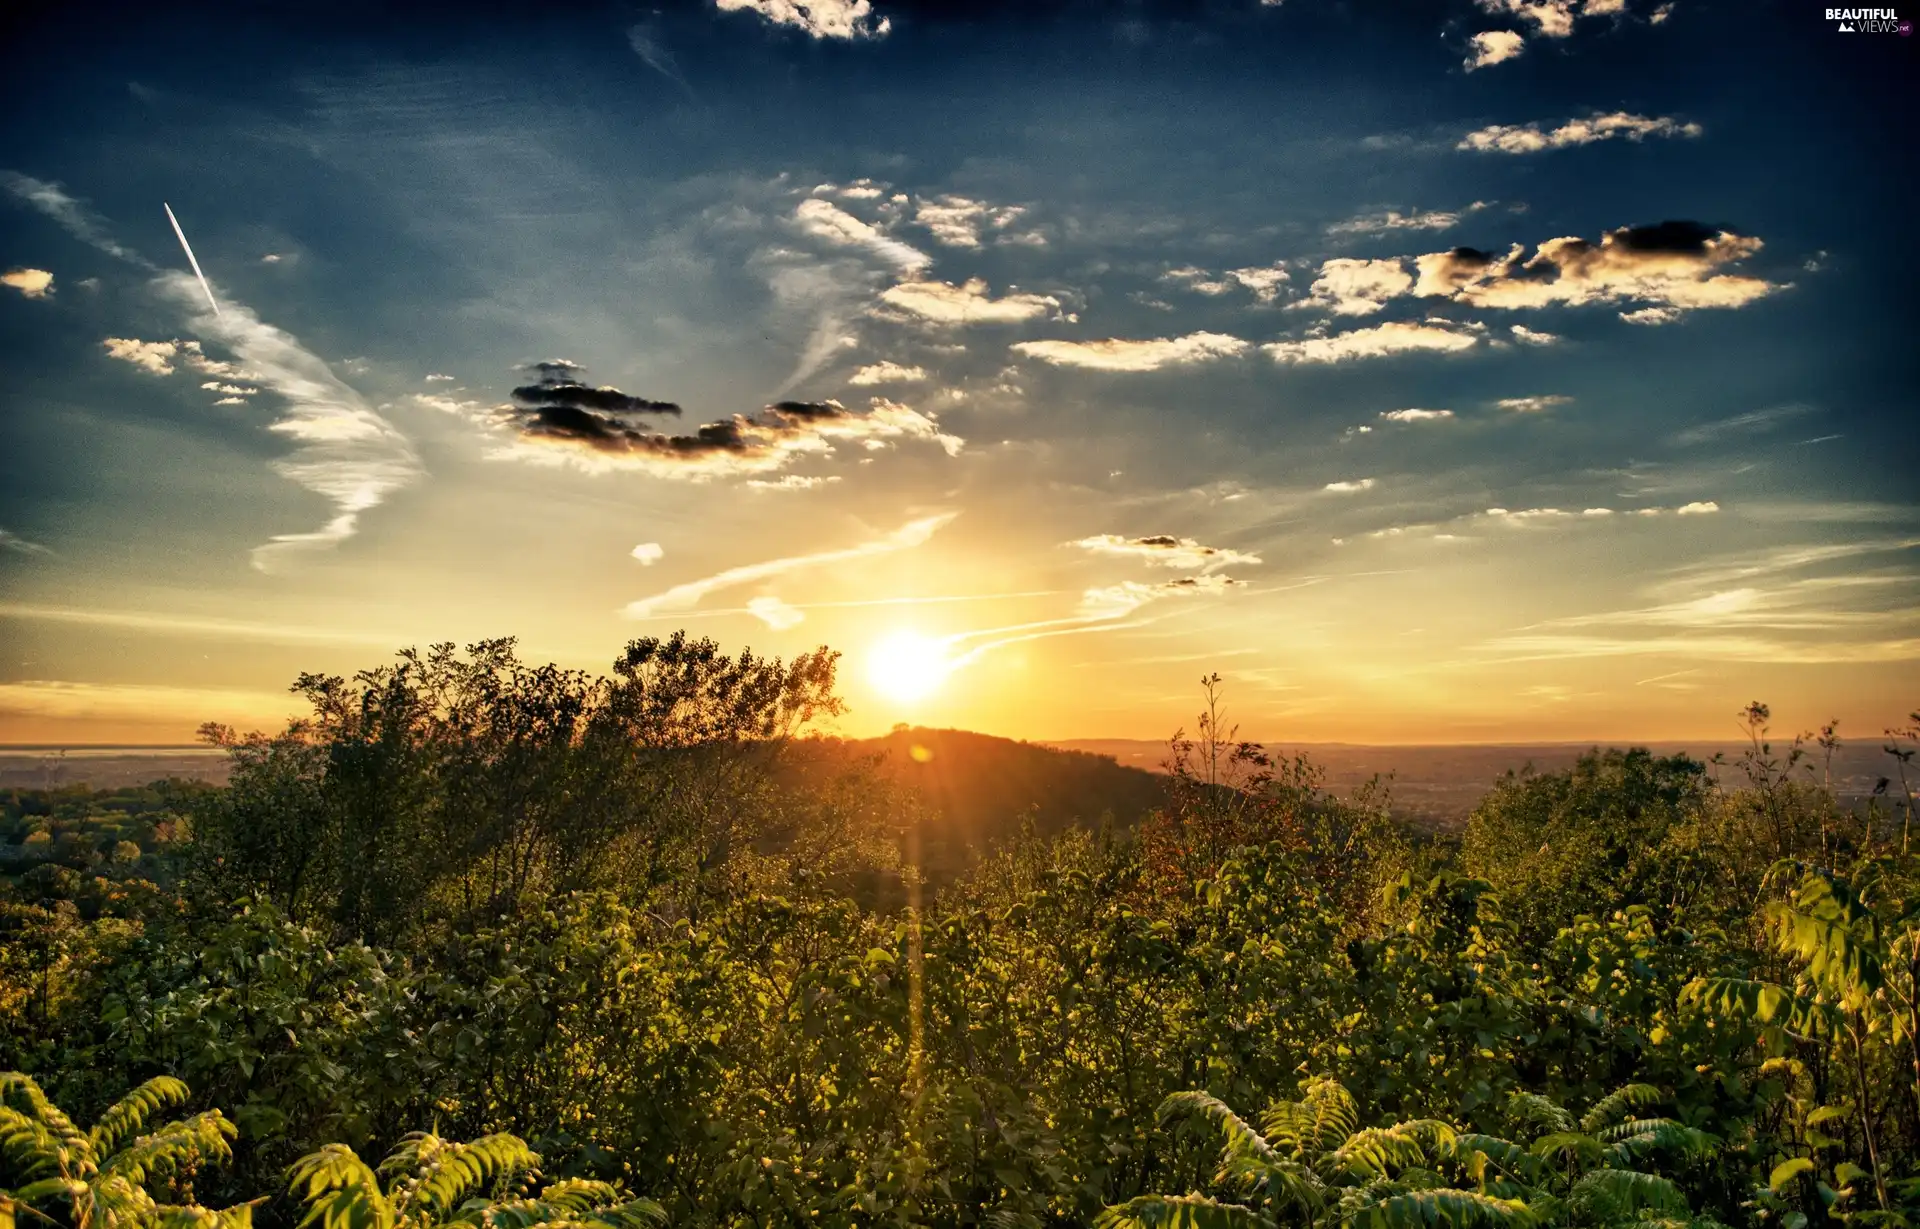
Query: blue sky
(1493, 370)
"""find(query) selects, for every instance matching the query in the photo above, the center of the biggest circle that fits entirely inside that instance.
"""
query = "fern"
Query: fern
(1534, 1110)
(1441, 1209)
(1620, 1194)
(130, 1113)
(1178, 1212)
(1608, 1109)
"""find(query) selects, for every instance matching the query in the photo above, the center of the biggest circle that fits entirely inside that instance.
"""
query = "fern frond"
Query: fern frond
(340, 1191)
(1534, 1110)
(1320, 1120)
(1608, 1109)
(1620, 1194)
(1178, 1212)
(239, 1216)
(190, 1140)
(1475, 1152)
(1662, 1135)
(1277, 1182)
(130, 1113)
(1241, 1139)
(1441, 1209)
(32, 1150)
(23, 1094)
(442, 1173)
(1570, 1146)
(1379, 1151)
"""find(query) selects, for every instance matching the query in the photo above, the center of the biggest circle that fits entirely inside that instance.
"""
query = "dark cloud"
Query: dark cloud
(560, 387)
(1671, 236)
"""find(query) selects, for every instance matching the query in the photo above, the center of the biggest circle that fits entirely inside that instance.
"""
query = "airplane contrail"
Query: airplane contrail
(211, 301)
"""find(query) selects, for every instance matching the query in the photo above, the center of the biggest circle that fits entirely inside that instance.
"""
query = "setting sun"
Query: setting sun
(907, 666)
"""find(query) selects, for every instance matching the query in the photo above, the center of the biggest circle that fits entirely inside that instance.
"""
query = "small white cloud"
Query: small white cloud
(1118, 601)
(1523, 334)
(791, 482)
(1698, 508)
(33, 283)
(1380, 341)
(1415, 415)
(230, 390)
(435, 377)
(1652, 316)
(649, 553)
(823, 19)
(1494, 47)
(1265, 281)
(1357, 287)
(826, 220)
(1350, 485)
(1533, 138)
(887, 373)
(231, 401)
(1117, 354)
(969, 303)
(775, 613)
(152, 357)
(957, 221)
(1549, 18)
(1533, 405)
(1392, 220)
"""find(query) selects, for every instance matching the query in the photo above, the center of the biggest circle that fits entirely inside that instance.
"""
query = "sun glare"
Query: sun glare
(907, 666)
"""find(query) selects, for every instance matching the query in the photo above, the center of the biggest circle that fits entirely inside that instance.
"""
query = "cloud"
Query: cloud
(775, 613)
(1265, 281)
(649, 553)
(742, 444)
(1380, 341)
(230, 390)
(1163, 550)
(152, 357)
(958, 221)
(1116, 354)
(1741, 424)
(347, 453)
(1652, 315)
(33, 283)
(52, 200)
(1674, 264)
(826, 220)
(823, 19)
(564, 397)
(1357, 287)
(1350, 486)
(1521, 333)
(1533, 138)
(1416, 415)
(12, 541)
(791, 482)
(885, 372)
(685, 596)
(1494, 47)
(1549, 18)
(1533, 405)
(435, 377)
(1393, 220)
(970, 303)
(655, 55)
(1701, 508)
(1119, 601)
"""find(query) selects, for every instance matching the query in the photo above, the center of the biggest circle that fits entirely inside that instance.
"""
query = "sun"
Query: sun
(907, 666)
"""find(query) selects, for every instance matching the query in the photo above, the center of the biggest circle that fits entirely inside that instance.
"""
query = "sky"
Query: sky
(1499, 370)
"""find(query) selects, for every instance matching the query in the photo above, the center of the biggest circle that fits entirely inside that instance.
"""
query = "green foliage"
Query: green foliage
(101, 1178)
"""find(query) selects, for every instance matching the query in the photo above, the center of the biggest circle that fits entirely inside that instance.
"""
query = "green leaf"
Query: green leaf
(1787, 1171)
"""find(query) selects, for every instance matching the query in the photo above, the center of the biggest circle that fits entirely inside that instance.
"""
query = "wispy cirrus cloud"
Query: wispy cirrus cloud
(1122, 355)
(347, 452)
(1165, 550)
(1534, 404)
(1416, 415)
(12, 541)
(689, 594)
(1391, 220)
(72, 214)
(1537, 138)
(1753, 422)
